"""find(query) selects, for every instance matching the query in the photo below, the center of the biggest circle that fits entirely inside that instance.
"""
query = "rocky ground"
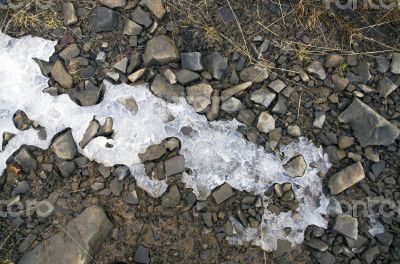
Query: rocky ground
(277, 67)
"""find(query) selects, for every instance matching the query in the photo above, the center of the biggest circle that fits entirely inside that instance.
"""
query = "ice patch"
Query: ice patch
(215, 152)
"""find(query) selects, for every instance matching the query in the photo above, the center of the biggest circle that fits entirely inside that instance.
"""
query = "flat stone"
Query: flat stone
(104, 20)
(217, 65)
(229, 92)
(319, 119)
(69, 14)
(172, 198)
(339, 82)
(131, 28)
(294, 131)
(382, 64)
(263, 97)
(370, 254)
(61, 76)
(386, 87)
(254, 74)
(64, 146)
(222, 193)
(174, 165)
(116, 186)
(266, 122)
(66, 168)
(153, 152)
(231, 105)
(142, 255)
(333, 60)
(317, 244)
(199, 96)
(131, 198)
(277, 85)
(71, 51)
(325, 258)
(121, 65)
(246, 116)
(187, 77)
(89, 230)
(192, 61)
(86, 97)
(169, 92)
(296, 166)
(134, 62)
(26, 160)
(368, 126)
(121, 172)
(156, 7)
(363, 71)
(133, 77)
(90, 133)
(395, 64)
(346, 225)
(21, 188)
(345, 142)
(346, 178)
(113, 3)
(213, 110)
(159, 51)
(316, 67)
(169, 75)
(141, 17)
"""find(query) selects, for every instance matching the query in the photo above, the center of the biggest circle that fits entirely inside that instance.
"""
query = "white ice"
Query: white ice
(215, 152)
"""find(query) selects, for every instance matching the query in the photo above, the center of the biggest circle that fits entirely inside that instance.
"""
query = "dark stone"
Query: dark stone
(104, 20)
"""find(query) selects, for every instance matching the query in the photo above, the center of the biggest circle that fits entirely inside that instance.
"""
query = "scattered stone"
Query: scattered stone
(134, 62)
(121, 65)
(266, 122)
(225, 94)
(61, 75)
(187, 77)
(66, 168)
(90, 133)
(395, 65)
(319, 119)
(70, 52)
(97, 186)
(370, 254)
(156, 7)
(113, 3)
(368, 126)
(294, 131)
(192, 61)
(223, 193)
(324, 257)
(160, 51)
(172, 198)
(346, 225)
(153, 152)
(339, 82)
(104, 20)
(345, 142)
(363, 71)
(69, 14)
(131, 28)
(277, 85)
(121, 172)
(199, 96)
(25, 160)
(213, 110)
(174, 165)
(21, 121)
(169, 75)
(333, 60)
(89, 230)
(317, 244)
(254, 74)
(217, 65)
(231, 105)
(142, 254)
(21, 188)
(116, 186)
(64, 146)
(296, 166)
(133, 77)
(316, 67)
(162, 88)
(383, 64)
(246, 116)
(385, 238)
(141, 17)
(386, 87)
(131, 198)
(346, 178)
(44, 209)
(263, 97)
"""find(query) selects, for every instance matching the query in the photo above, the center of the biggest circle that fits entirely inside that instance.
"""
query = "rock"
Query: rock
(231, 105)
(335, 154)
(169, 92)
(277, 85)
(217, 65)
(395, 64)
(104, 171)
(116, 186)
(213, 110)
(21, 121)
(133, 77)
(281, 105)
(346, 225)
(131, 28)
(104, 20)
(263, 97)
(141, 17)
(339, 82)
(294, 131)
(246, 116)
(169, 75)
(70, 52)
(222, 193)
(121, 172)
(368, 126)
(333, 60)
(192, 61)
(172, 144)
(121, 65)
(254, 74)
(199, 96)
(25, 160)
(21, 188)
(156, 7)
(319, 119)
(113, 75)
(61, 75)
(90, 133)
(385, 238)
(345, 142)
(325, 258)
(131, 198)
(88, 230)
(317, 244)
(174, 165)
(64, 146)
(86, 97)
(172, 198)
(386, 87)
(153, 152)
(160, 51)
(134, 62)
(296, 166)
(383, 64)
(346, 178)
(44, 209)
(229, 92)
(356, 243)
(316, 67)
(113, 3)
(186, 77)
(363, 71)
(370, 254)
(97, 186)
(266, 122)
(66, 168)
(142, 254)
(69, 14)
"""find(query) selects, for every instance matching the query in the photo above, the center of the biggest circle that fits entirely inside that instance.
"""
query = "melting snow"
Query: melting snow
(215, 152)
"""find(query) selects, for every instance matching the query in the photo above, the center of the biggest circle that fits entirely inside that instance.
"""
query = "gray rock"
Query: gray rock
(116, 186)
(153, 152)
(277, 85)
(319, 119)
(370, 254)
(213, 110)
(225, 94)
(346, 178)
(160, 50)
(266, 122)
(44, 209)
(156, 7)
(131, 198)
(395, 64)
(113, 3)
(141, 17)
(133, 77)
(66, 168)
(121, 65)
(172, 198)
(186, 77)
(199, 96)
(104, 171)
(281, 105)
(254, 74)
(294, 131)
(356, 243)
(333, 60)
(131, 28)
(263, 97)
(121, 172)
(383, 64)
(69, 14)
(21, 188)
(142, 254)
(25, 160)
(222, 193)
(246, 116)
(317, 244)
(64, 146)
(104, 20)
(368, 126)
(134, 62)
(316, 67)
(174, 165)
(169, 75)
(325, 258)
(339, 82)
(113, 75)
(21, 120)
(345, 141)
(86, 97)
(217, 65)
(61, 76)
(346, 225)
(192, 61)
(90, 133)
(296, 166)
(386, 87)
(89, 230)
(363, 71)
(70, 52)
(231, 105)
(169, 92)
(385, 238)
(97, 186)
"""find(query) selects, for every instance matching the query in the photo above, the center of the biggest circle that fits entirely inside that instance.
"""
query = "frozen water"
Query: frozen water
(215, 152)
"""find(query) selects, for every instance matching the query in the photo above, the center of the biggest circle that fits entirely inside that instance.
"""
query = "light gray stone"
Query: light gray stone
(316, 67)
(231, 105)
(199, 96)
(395, 64)
(160, 51)
(113, 3)
(69, 14)
(346, 225)
(346, 178)
(156, 7)
(263, 97)
(254, 74)
(266, 122)
(64, 146)
(192, 61)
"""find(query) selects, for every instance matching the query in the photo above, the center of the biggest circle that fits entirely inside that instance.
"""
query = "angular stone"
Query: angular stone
(277, 85)
(133, 77)
(370, 254)
(104, 20)
(192, 61)
(333, 60)
(246, 116)
(69, 14)
(25, 160)
(231, 105)
(217, 65)
(263, 97)
(186, 77)
(346, 178)
(383, 64)
(121, 65)
(141, 17)
(88, 230)
(294, 131)
(386, 87)
(64, 146)
(368, 126)
(131, 28)
(90, 133)
(134, 62)
(153, 152)
(160, 50)
(254, 74)
(70, 52)
(213, 110)
(395, 64)
(266, 122)
(225, 94)
(345, 142)
(174, 165)
(339, 82)
(116, 186)
(317, 244)
(296, 166)
(316, 67)
(61, 76)
(319, 119)
(113, 3)
(223, 193)
(121, 172)
(21, 188)
(142, 254)
(199, 96)
(162, 88)
(156, 7)
(281, 105)
(172, 198)
(363, 71)
(346, 225)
